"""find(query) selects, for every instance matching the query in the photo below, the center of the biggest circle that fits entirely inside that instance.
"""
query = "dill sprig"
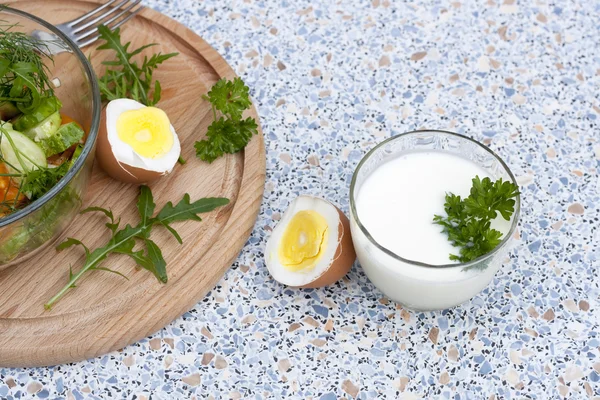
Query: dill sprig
(23, 72)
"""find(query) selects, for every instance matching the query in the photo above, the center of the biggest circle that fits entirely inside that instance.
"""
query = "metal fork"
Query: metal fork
(83, 30)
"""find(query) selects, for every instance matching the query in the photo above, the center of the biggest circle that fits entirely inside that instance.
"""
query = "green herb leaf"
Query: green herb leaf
(106, 212)
(138, 256)
(72, 242)
(37, 182)
(23, 68)
(71, 275)
(124, 77)
(159, 265)
(184, 210)
(25, 84)
(111, 271)
(145, 204)
(123, 240)
(225, 136)
(174, 233)
(229, 133)
(232, 98)
(468, 221)
(112, 225)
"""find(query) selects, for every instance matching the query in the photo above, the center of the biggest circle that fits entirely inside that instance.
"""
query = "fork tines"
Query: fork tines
(113, 14)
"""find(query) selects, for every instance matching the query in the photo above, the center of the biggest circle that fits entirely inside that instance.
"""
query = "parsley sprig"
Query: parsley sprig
(228, 133)
(467, 222)
(124, 78)
(124, 240)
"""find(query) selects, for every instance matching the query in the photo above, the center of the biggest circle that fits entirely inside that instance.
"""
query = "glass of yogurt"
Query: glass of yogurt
(396, 190)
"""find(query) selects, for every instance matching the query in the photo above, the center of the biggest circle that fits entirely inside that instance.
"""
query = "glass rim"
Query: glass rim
(91, 136)
(507, 237)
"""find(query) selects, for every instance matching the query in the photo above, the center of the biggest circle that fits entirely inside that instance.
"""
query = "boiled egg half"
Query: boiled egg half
(311, 245)
(136, 143)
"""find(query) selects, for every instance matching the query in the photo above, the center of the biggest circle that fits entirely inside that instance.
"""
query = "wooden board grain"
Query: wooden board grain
(105, 312)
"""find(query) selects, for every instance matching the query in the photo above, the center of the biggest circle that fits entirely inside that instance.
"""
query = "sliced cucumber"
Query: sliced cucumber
(66, 136)
(45, 129)
(20, 153)
(76, 155)
(47, 107)
(8, 110)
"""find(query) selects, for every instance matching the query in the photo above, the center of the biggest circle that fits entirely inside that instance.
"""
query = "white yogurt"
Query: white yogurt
(398, 200)
(396, 203)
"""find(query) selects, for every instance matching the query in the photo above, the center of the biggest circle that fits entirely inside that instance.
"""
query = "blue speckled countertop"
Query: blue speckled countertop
(330, 79)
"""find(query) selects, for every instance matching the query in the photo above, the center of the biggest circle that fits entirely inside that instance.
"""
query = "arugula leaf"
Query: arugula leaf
(138, 256)
(228, 133)
(184, 210)
(145, 204)
(72, 242)
(158, 262)
(106, 212)
(112, 225)
(123, 240)
(130, 80)
(174, 233)
(468, 221)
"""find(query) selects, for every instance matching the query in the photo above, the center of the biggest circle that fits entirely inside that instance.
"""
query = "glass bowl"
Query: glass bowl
(415, 284)
(30, 229)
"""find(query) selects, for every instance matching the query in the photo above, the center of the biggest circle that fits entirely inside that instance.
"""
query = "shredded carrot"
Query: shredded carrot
(9, 190)
(66, 119)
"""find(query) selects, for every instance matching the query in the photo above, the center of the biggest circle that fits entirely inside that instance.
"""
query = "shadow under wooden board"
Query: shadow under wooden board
(106, 312)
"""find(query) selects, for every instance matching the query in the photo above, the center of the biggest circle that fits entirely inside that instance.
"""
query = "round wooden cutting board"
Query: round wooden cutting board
(106, 312)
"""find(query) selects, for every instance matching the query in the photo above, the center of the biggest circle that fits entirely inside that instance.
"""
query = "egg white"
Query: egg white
(306, 276)
(124, 153)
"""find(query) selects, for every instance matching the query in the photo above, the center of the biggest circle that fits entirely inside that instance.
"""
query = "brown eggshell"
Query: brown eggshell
(116, 170)
(343, 259)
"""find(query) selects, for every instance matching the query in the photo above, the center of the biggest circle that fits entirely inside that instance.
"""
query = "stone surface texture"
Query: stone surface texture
(330, 79)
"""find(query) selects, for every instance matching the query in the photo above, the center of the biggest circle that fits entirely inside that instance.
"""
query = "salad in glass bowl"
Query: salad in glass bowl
(49, 115)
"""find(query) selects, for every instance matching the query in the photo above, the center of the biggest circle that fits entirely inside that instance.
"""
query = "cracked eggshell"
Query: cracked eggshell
(337, 260)
(122, 169)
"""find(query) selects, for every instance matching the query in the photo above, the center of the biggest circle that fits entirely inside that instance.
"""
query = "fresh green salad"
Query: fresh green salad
(38, 144)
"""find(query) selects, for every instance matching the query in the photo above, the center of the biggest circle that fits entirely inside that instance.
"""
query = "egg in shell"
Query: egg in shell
(311, 245)
(136, 143)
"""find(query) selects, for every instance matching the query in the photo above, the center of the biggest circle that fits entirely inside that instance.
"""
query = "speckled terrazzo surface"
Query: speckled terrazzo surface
(330, 80)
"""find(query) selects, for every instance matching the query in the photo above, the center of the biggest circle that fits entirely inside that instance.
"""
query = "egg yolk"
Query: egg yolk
(303, 241)
(147, 131)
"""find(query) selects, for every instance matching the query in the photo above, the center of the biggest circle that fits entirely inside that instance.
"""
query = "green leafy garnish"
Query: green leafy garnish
(23, 74)
(124, 78)
(27, 176)
(39, 181)
(230, 97)
(228, 133)
(124, 240)
(467, 222)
